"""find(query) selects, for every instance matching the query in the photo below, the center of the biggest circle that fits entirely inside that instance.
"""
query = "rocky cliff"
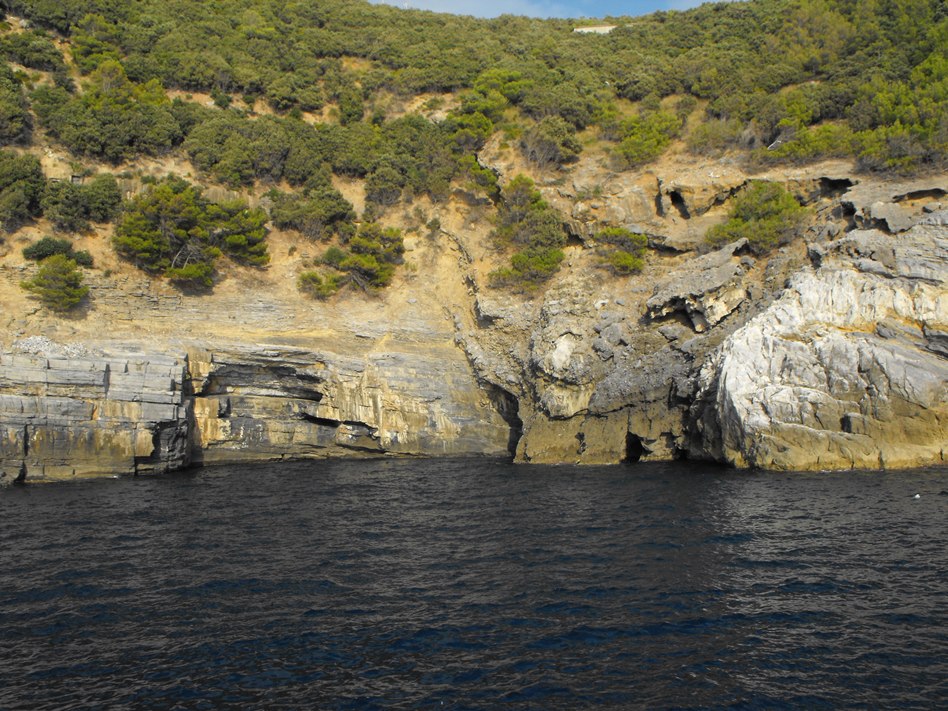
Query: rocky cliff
(830, 353)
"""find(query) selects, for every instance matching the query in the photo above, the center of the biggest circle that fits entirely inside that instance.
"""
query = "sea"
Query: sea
(476, 584)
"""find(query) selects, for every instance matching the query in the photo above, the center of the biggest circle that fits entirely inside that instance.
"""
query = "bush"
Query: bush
(645, 138)
(369, 261)
(623, 263)
(64, 205)
(32, 49)
(102, 198)
(173, 230)
(21, 186)
(526, 220)
(715, 136)
(621, 250)
(49, 246)
(318, 213)
(551, 142)
(113, 119)
(765, 214)
(317, 285)
(58, 283)
(528, 269)
(16, 126)
(70, 207)
(813, 143)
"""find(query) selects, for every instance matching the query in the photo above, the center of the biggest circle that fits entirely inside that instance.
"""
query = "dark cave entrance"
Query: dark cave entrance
(678, 202)
(633, 448)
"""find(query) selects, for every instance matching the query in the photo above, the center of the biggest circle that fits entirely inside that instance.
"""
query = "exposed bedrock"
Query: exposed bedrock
(63, 415)
(104, 414)
(271, 402)
(846, 370)
(830, 353)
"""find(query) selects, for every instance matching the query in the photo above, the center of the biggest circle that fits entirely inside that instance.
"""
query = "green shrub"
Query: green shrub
(814, 143)
(765, 214)
(528, 269)
(623, 263)
(70, 207)
(318, 213)
(318, 285)
(645, 137)
(333, 257)
(16, 125)
(49, 246)
(113, 119)
(172, 229)
(621, 250)
(622, 239)
(715, 136)
(58, 283)
(21, 187)
(198, 275)
(551, 142)
(102, 197)
(526, 220)
(32, 49)
(369, 260)
(64, 205)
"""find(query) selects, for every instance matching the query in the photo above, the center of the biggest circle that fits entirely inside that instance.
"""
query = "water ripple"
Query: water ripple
(472, 584)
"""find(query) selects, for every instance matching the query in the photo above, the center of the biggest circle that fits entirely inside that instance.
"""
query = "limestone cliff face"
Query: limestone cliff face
(273, 402)
(65, 414)
(830, 353)
(841, 363)
(846, 369)
(102, 414)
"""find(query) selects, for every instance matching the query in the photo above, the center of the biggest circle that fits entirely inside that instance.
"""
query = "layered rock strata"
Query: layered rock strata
(830, 353)
(64, 417)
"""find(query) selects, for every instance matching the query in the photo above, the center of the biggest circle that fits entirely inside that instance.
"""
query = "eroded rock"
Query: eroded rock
(706, 289)
(835, 374)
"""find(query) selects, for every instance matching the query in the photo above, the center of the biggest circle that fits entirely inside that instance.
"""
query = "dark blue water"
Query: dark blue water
(473, 584)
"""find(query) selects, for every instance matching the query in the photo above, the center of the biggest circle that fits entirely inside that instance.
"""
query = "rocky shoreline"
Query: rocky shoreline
(832, 354)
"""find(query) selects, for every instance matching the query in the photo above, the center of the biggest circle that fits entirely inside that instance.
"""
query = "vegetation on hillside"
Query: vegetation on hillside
(49, 246)
(171, 229)
(58, 283)
(302, 92)
(764, 214)
(526, 222)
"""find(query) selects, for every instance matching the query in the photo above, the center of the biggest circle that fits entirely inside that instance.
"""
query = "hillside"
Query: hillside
(349, 229)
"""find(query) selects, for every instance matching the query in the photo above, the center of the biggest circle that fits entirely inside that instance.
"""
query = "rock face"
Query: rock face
(831, 353)
(706, 289)
(104, 414)
(846, 370)
(275, 402)
(63, 417)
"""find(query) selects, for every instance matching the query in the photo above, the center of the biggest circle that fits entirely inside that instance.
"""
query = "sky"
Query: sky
(546, 8)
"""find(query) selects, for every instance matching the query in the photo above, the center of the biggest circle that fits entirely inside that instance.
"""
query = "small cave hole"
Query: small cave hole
(633, 448)
(573, 240)
(834, 187)
(678, 202)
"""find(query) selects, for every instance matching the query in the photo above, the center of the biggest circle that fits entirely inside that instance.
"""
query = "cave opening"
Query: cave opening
(634, 448)
(508, 407)
(678, 202)
(834, 187)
